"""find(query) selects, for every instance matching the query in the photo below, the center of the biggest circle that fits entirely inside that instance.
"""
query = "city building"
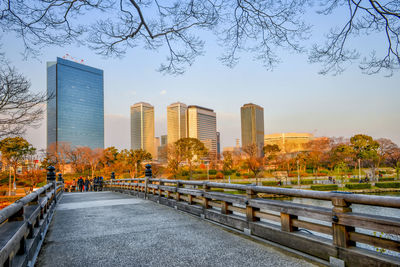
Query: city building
(252, 125)
(164, 140)
(176, 122)
(202, 124)
(142, 127)
(156, 146)
(289, 142)
(75, 109)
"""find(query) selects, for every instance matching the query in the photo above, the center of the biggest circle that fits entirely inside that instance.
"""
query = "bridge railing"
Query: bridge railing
(23, 224)
(337, 231)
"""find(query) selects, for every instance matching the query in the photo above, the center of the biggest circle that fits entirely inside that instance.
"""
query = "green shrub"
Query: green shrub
(386, 179)
(270, 183)
(309, 171)
(388, 185)
(238, 174)
(354, 180)
(358, 186)
(308, 181)
(227, 172)
(324, 187)
(212, 172)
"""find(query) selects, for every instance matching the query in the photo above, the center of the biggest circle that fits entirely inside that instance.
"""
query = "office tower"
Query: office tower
(176, 122)
(202, 124)
(156, 146)
(164, 140)
(142, 127)
(252, 124)
(75, 112)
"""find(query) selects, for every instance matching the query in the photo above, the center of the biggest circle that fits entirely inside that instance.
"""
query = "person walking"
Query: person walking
(73, 187)
(87, 184)
(80, 184)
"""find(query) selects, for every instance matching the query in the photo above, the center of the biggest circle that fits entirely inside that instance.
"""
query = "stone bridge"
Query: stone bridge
(160, 222)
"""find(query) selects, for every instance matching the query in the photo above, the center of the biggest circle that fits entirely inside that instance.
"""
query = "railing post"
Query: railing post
(224, 207)
(177, 194)
(341, 237)
(250, 210)
(287, 222)
(51, 178)
(205, 199)
(148, 174)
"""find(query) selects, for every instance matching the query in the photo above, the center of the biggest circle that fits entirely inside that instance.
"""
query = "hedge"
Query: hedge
(212, 172)
(324, 187)
(358, 186)
(388, 185)
(354, 180)
(303, 182)
(386, 179)
(270, 183)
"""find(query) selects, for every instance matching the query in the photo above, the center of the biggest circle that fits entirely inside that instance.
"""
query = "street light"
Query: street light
(298, 174)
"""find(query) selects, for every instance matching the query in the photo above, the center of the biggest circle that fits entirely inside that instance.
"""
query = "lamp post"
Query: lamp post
(359, 169)
(208, 168)
(298, 174)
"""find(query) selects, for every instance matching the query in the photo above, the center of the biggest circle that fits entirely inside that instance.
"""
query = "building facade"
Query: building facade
(142, 127)
(202, 124)
(252, 125)
(289, 142)
(75, 110)
(176, 122)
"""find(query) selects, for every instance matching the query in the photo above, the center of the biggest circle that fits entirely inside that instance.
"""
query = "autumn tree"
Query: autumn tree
(109, 158)
(174, 159)
(190, 150)
(13, 151)
(263, 28)
(317, 151)
(132, 160)
(365, 149)
(227, 162)
(271, 153)
(92, 157)
(58, 154)
(253, 159)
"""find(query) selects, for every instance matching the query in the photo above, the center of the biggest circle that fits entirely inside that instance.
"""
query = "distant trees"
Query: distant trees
(190, 150)
(13, 151)
(253, 160)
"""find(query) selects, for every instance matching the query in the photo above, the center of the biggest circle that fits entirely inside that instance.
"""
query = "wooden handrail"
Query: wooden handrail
(246, 210)
(18, 223)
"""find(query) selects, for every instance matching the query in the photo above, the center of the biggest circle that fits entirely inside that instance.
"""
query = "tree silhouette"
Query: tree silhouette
(261, 27)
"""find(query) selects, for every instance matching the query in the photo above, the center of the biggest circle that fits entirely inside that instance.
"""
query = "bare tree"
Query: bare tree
(261, 27)
(19, 107)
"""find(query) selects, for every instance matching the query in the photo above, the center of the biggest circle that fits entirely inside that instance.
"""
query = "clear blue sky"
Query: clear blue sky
(294, 96)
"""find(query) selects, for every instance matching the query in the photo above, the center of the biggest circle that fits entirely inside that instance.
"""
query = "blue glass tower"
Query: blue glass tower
(75, 113)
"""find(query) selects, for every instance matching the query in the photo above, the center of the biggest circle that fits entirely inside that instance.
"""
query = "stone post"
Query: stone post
(148, 173)
(51, 178)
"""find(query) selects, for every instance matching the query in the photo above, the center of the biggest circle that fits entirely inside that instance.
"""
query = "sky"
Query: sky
(294, 96)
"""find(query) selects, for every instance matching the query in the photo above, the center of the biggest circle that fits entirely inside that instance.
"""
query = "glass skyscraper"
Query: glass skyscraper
(75, 113)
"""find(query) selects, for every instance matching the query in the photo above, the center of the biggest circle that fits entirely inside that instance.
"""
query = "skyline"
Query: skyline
(294, 96)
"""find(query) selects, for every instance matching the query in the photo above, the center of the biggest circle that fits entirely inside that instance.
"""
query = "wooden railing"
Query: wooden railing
(24, 223)
(338, 233)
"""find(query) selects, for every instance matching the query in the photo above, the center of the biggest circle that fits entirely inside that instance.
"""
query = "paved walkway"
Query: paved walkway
(111, 229)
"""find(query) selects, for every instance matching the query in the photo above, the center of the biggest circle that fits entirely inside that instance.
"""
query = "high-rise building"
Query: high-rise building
(164, 140)
(252, 124)
(142, 127)
(176, 122)
(202, 124)
(75, 112)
